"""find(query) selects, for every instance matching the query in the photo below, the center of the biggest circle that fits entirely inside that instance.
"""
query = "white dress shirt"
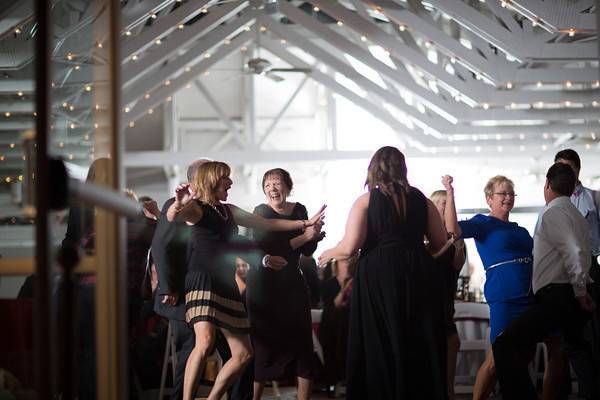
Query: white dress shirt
(561, 247)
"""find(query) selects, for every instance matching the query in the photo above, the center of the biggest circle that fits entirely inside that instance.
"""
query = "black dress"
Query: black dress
(397, 344)
(279, 306)
(211, 293)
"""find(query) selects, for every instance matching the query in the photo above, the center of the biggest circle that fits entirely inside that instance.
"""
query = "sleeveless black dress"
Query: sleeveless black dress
(397, 344)
(279, 305)
(211, 293)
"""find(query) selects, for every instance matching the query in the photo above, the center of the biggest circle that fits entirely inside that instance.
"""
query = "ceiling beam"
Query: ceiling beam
(166, 25)
(411, 136)
(178, 40)
(210, 40)
(158, 96)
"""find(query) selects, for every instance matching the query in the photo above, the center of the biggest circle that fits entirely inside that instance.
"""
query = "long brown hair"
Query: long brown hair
(387, 171)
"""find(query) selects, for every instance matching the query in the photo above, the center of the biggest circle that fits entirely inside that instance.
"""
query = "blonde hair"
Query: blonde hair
(387, 170)
(488, 190)
(207, 178)
(437, 195)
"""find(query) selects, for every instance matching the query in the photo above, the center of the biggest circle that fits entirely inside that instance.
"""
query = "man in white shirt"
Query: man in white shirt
(561, 262)
(587, 202)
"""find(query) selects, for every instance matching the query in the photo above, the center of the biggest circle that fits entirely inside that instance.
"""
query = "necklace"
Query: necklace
(224, 217)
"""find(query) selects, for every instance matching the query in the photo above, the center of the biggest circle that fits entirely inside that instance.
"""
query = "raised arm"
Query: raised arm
(450, 217)
(184, 208)
(435, 228)
(355, 234)
(249, 220)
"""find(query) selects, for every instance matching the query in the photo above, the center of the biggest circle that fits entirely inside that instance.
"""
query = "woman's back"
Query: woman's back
(385, 227)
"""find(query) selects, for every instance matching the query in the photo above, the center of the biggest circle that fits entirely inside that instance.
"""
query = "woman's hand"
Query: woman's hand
(276, 263)
(324, 258)
(447, 182)
(318, 217)
(184, 194)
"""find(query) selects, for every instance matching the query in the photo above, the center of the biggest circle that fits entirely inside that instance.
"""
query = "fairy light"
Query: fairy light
(88, 88)
(150, 111)
(147, 96)
(86, 137)
(363, 38)
(247, 28)
(545, 136)
(167, 82)
(65, 105)
(227, 42)
(72, 125)
(316, 9)
(7, 114)
(131, 124)
(99, 45)
(539, 84)
(96, 125)
(509, 85)
(594, 103)
(8, 179)
(486, 106)
(153, 15)
(498, 136)
(568, 84)
(588, 146)
(339, 23)
(20, 94)
(283, 41)
(243, 49)
(567, 103)
(70, 56)
(17, 30)
(61, 144)
(134, 57)
(207, 55)
(263, 28)
(128, 33)
(169, 98)
(157, 42)
(71, 107)
(544, 147)
(77, 68)
(571, 32)
(402, 28)
(180, 26)
(12, 145)
(126, 109)
(71, 156)
(204, 10)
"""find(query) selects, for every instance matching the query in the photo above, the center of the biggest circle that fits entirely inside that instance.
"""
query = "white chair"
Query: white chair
(472, 323)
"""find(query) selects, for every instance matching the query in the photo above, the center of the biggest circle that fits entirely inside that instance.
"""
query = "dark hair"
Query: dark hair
(142, 199)
(387, 170)
(561, 179)
(283, 174)
(569, 155)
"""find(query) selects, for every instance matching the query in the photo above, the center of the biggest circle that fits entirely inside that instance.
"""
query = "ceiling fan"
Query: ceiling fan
(263, 67)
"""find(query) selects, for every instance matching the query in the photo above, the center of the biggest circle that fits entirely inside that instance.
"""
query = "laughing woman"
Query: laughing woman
(278, 301)
(212, 297)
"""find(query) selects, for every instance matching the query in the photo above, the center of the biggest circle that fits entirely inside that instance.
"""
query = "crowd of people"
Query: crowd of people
(390, 286)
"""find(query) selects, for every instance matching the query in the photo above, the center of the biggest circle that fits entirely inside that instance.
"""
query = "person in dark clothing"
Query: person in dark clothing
(170, 255)
(397, 343)
(278, 301)
(310, 271)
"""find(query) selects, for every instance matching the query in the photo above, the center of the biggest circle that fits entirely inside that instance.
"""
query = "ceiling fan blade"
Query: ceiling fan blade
(304, 70)
(273, 77)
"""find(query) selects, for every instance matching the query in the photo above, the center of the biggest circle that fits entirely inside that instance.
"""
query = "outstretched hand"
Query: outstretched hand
(318, 217)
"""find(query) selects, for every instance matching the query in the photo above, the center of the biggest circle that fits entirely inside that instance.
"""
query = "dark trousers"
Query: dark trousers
(184, 343)
(555, 307)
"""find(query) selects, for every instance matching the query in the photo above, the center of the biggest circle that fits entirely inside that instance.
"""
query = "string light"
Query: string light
(568, 84)
(545, 136)
(96, 125)
(150, 111)
(7, 114)
(12, 145)
(594, 103)
(86, 137)
(71, 156)
(180, 26)
(70, 56)
(486, 106)
(128, 33)
(316, 9)
(131, 124)
(77, 67)
(571, 32)
(134, 57)
(363, 38)
(509, 85)
(263, 28)
(72, 107)
(339, 23)
(17, 30)
(402, 28)
(207, 55)
(157, 42)
(167, 82)
(61, 144)
(147, 96)
(247, 28)
(72, 125)
(567, 103)
(588, 146)
(283, 41)
(88, 88)
(20, 94)
(544, 147)
(169, 98)
(7, 179)
(1, 158)
(126, 109)
(227, 41)
(153, 15)
(539, 84)
(99, 45)
(243, 49)
(204, 10)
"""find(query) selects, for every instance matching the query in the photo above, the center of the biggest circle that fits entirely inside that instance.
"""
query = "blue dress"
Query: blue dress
(508, 284)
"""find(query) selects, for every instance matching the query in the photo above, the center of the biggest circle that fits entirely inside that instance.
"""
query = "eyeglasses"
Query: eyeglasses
(506, 194)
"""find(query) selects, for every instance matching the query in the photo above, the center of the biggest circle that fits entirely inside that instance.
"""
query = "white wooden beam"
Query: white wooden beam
(166, 25)
(163, 92)
(180, 39)
(212, 39)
